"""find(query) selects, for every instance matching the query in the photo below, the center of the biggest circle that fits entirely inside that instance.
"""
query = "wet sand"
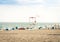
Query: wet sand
(30, 36)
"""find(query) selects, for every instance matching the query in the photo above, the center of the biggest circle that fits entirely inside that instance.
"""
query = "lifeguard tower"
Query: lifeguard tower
(32, 21)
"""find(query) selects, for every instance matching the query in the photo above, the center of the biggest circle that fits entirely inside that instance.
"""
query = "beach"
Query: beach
(30, 36)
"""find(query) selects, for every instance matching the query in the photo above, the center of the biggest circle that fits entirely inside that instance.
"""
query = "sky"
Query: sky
(21, 10)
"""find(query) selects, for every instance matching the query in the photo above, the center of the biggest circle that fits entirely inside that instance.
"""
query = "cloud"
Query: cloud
(34, 1)
(47, 3)
(52, 3)
(29, 2)
(21, 2)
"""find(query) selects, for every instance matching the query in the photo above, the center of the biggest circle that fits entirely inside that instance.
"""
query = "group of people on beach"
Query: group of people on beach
(55, 26)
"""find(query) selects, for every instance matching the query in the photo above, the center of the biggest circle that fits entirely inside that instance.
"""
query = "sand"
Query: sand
(30, 36)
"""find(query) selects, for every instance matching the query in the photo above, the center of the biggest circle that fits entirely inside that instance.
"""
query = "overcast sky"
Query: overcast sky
(21, 10)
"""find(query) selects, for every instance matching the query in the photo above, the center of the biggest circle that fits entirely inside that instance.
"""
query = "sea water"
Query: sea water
(21, 24)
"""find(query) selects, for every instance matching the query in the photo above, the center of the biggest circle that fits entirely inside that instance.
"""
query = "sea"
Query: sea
(21, 24)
